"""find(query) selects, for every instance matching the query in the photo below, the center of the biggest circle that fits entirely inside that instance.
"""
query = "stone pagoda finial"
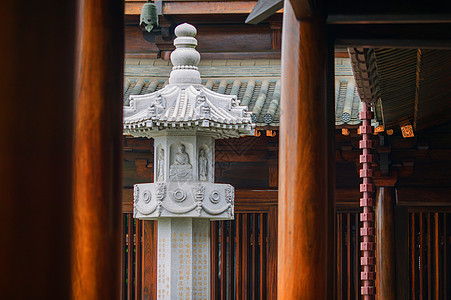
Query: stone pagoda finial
(185, 57)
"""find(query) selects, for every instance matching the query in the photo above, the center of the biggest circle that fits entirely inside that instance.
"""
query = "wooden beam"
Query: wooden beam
(37, 83)
(408, 35)
(98, 140)
(195, 7)
(385, 244)
(303, 9)
(424, 196)
(388, 19)
(306, 207)
(263, 10)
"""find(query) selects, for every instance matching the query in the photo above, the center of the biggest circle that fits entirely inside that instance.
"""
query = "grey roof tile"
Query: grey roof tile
(261, 92)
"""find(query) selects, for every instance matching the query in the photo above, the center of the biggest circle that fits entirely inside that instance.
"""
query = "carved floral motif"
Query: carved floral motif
(161, 191)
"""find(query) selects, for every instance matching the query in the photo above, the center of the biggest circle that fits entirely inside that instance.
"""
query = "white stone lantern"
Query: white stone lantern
(184, 119)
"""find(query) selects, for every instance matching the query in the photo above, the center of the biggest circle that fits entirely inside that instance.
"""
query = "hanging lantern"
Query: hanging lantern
(149, 16)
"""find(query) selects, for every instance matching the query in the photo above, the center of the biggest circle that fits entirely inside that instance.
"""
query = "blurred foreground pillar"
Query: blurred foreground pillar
(36, 120)
(97, 218)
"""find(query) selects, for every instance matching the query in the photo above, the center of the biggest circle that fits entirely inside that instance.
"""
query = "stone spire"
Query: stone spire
(185, 57)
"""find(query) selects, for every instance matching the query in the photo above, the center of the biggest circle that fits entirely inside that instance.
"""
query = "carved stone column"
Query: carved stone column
(184, 118)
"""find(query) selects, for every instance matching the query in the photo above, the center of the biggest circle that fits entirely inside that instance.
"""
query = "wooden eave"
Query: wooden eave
(410, 85)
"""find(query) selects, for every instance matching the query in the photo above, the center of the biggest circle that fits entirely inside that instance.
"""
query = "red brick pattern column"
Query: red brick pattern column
(367, 246)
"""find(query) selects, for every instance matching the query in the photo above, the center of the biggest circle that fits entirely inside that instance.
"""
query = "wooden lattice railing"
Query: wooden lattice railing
(347, 254)
(239, 257)
(429, 254)
(244, 255)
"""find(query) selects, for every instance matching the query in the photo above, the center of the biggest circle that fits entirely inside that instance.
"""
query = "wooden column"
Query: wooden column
(385, 243)
(98, 121)
(306, 205)
(37, 81)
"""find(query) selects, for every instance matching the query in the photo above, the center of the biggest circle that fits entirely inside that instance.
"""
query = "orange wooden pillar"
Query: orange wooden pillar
(37, 81)
(96, 236)
(306, 171)
(385, 242)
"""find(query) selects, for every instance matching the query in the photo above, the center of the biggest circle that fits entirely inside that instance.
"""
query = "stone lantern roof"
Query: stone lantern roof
(185, 102)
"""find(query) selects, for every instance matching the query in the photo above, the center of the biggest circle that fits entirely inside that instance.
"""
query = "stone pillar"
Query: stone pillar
(306, 207)
(385, 243)
(183, 258)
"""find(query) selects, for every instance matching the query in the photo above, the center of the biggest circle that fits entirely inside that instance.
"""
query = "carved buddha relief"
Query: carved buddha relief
(180, 166)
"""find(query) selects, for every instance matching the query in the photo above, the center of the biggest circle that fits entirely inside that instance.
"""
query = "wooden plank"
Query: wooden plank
(348, 255)
(207, 8)
(195, 7)
(262, 239)
(245, 257)
(230, 258)
(123, 255)
(388, 19)
(254, 286)
(425, 196)
(339, 249)
(239, 254)
(421, 264)
(429, 254)
(306, 227)
(402, 36)
(403, 260)
(445, 255)
(436, 257)
(272, 254)
(149, 266)
(224, 237)
(98, 150)
(413, 256)
(138, 260)
(130, 258)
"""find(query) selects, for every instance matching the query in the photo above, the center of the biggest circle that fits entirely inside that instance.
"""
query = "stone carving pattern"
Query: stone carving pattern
(205, 111)
(199, 195)
(160, 195)
(147, 196)
(229, 196)
(135, 198)
(203, 165)
(160, 162)
(179, 195)
(161, 192)
(215, 197)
